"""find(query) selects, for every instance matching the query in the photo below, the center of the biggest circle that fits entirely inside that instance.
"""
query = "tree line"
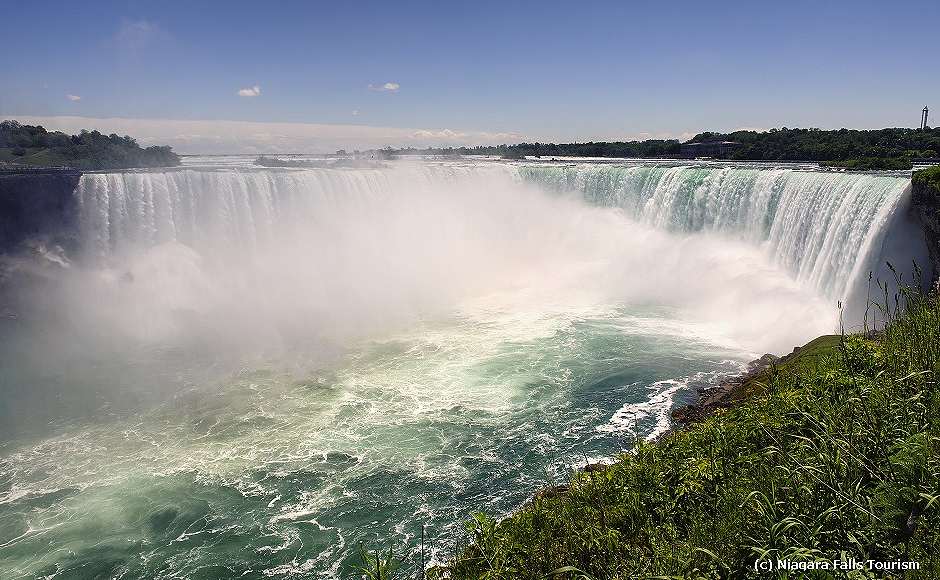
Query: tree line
(783, 144)
(649, 148)
(818, 145)
(35, 146)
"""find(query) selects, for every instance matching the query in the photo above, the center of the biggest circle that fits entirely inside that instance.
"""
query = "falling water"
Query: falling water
(247, 373)
(820, 226)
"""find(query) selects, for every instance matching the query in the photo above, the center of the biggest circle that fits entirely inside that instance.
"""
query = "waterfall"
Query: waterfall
(119, 211)
(823, 227)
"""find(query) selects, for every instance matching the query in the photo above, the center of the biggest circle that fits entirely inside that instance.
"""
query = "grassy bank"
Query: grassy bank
(836, 456)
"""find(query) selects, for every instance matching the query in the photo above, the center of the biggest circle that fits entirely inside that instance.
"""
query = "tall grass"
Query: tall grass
(835, 458)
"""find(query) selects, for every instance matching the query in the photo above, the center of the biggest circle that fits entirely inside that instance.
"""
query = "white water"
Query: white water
(342, 356)
(819, 226)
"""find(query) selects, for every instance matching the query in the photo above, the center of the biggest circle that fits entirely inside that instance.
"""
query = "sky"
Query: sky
(247, 77)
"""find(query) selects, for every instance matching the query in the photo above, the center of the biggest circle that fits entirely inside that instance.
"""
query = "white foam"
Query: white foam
(658, 406)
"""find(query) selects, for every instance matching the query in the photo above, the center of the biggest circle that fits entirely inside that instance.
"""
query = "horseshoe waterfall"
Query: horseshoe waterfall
(283, 364)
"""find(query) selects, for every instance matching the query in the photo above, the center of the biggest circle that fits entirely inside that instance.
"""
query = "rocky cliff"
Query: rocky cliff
(38, 231)
(925, 203)
(37, 206)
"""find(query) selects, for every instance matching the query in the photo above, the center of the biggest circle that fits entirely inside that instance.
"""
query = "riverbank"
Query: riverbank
(738, 389)
(833, 456)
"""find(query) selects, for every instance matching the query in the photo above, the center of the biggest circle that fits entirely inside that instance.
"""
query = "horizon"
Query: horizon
(75, 125)
(201, 80)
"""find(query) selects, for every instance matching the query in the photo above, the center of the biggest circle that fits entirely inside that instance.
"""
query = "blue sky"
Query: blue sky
(373, 73)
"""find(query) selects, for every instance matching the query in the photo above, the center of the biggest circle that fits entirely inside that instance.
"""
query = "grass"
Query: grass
(806, 358)
(33, 156)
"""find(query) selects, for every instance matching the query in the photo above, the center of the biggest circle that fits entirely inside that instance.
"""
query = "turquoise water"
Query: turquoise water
(249, 374)
(275, 474)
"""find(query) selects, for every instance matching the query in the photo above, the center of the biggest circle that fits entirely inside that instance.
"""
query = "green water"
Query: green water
(274, 475)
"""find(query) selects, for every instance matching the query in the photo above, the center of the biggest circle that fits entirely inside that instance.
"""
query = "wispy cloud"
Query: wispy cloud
(258, 137)
(440, 134)
(355, 112)
(135, 35)
(386, 88)
(73, 98)
(250, 91)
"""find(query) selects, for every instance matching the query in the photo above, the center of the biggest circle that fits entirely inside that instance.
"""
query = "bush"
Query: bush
(929, 177)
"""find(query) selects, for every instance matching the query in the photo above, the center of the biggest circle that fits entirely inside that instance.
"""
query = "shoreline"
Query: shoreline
(725, 394)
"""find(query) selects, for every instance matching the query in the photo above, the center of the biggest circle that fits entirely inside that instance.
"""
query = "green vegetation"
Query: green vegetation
(817, 145)
(34, 146)
(513, 154)
(377, 566)
(929, 177)
(875, 149)
(803, 360)
(650, 148)
(835, 456)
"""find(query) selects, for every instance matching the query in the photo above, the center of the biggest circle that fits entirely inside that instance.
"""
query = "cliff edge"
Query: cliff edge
(38, 206)
(925, 203)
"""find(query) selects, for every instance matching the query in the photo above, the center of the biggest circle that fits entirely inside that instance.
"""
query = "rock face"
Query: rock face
(38, 232)
(724, 395)
(37, 206)
(925, 204)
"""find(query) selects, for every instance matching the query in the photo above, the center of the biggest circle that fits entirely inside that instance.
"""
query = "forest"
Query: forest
(33, 145)
(849, 148)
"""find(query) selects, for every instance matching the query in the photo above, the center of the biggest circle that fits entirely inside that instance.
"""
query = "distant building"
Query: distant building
(923, 118)
(708, 149)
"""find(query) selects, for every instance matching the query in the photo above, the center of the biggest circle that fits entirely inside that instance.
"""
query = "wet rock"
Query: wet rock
(552, 492)
(723, 395)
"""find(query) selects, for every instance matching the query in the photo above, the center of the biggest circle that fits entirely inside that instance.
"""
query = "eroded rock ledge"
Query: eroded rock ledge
(925, 204)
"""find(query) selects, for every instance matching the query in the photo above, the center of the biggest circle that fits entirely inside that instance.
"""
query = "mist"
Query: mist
(294, 270)
(356, 258)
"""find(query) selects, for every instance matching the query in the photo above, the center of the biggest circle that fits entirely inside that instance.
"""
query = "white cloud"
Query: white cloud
(73, 98)
(250, 91)
(445, 134)
(259, 137)
(386, 88)
(355, 113)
